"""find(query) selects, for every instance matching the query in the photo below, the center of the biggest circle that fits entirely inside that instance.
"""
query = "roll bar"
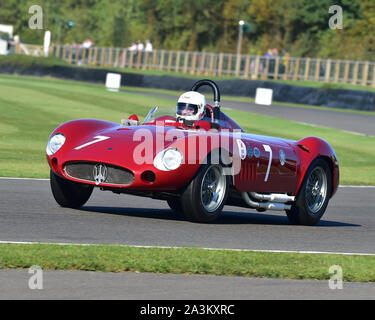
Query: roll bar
(216, 91)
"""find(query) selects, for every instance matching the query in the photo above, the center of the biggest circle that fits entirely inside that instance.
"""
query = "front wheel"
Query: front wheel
(204, 198)
(69, 194)
(312, 199)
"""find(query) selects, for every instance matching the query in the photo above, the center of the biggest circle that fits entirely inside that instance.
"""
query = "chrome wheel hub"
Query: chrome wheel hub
(213, 188)
(316, 189)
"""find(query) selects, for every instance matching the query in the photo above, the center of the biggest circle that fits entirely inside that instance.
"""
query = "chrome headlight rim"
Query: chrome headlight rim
(55, 142)
(160, 161)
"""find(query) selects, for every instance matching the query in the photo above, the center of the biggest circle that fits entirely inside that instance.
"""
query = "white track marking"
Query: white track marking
(14, 178)
(171, 247)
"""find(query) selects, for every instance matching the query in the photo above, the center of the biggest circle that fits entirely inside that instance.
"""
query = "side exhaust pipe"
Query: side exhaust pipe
(277, 206)
(273, 197)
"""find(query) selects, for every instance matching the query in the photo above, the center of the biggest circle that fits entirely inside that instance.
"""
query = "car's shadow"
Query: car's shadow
(227, 217)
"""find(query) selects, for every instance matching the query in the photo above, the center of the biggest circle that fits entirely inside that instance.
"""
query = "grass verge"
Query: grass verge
(31, 108)
(115, 258)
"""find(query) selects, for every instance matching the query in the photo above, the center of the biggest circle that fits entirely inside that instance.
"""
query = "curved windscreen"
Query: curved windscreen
(158, 112)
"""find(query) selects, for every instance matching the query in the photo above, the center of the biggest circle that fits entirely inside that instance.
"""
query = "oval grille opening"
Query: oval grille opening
(109, 174)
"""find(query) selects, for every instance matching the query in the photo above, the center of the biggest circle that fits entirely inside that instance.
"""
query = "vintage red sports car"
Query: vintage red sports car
(196, 166)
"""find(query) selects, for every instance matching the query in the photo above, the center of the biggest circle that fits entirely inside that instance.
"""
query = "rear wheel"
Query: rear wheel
(204, 198)
(69, 194)
(313, 198)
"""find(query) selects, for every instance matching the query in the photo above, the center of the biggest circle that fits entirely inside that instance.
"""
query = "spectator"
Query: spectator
(88, 43)
(140, 46)
(148, 46)
(133, 47)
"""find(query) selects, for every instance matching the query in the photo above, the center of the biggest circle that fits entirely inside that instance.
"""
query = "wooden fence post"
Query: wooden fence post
(84, 54)
(327, 77)
(346, 72)
(365, 74)
(186, 61)
(178, 59)
(170, 57)
(210, 70)
(296, 70)
(139, 59)
(194, 63)
(286, 70)
(64, 53)
(266, 69)
(256, 70)
(154, 59)
(145, 61)
(355, 73)
(89, 56)
(307, 69)
(57, 52)
(162, 60)
(317, 70)
(247, 67)
(229, 65)
(221, 59)
(70, 54)
(337, 71)
(131, 59)
(200, 69)
(117, 57)
(276, 71)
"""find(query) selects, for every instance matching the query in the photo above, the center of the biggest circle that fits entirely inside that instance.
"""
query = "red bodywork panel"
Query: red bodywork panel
(107, 142)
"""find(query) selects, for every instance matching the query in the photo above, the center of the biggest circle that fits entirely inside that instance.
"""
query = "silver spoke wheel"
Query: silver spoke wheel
(213, 188)
(316, 189)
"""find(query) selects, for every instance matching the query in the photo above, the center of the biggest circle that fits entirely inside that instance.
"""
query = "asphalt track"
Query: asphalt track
(149, 286)
(28, 212)
(351, 122)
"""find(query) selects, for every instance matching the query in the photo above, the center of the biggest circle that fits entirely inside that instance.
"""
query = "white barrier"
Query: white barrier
(263, 96)
(113, 82)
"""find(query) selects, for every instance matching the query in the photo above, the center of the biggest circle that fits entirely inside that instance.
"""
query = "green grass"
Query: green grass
(114, 258)
(25, 62)
(31, 108)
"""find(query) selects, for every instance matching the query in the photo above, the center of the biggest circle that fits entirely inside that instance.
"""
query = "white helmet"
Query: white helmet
(191, 106)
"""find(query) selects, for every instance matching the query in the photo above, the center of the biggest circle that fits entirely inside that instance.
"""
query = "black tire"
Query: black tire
(305, 211)
(175, 205)
(69, 194)
(193, 206)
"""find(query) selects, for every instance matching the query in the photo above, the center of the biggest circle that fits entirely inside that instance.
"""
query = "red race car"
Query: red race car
(197, 159)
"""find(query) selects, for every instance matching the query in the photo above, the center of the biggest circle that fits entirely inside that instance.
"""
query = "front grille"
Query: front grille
(85, 171)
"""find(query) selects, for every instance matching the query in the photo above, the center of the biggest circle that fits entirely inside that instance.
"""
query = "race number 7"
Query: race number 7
(267, 148)
(97, 139)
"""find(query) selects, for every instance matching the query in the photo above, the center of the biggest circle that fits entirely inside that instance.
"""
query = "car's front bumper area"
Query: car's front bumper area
(104, 174)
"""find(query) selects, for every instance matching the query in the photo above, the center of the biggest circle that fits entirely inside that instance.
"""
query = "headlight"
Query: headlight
(168, 159)
(55, 143)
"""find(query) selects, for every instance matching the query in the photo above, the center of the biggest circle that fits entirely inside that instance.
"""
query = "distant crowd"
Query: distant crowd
(140, 47)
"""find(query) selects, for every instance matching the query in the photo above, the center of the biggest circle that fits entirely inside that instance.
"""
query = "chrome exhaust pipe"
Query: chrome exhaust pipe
(273, 197)
(264, 205)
